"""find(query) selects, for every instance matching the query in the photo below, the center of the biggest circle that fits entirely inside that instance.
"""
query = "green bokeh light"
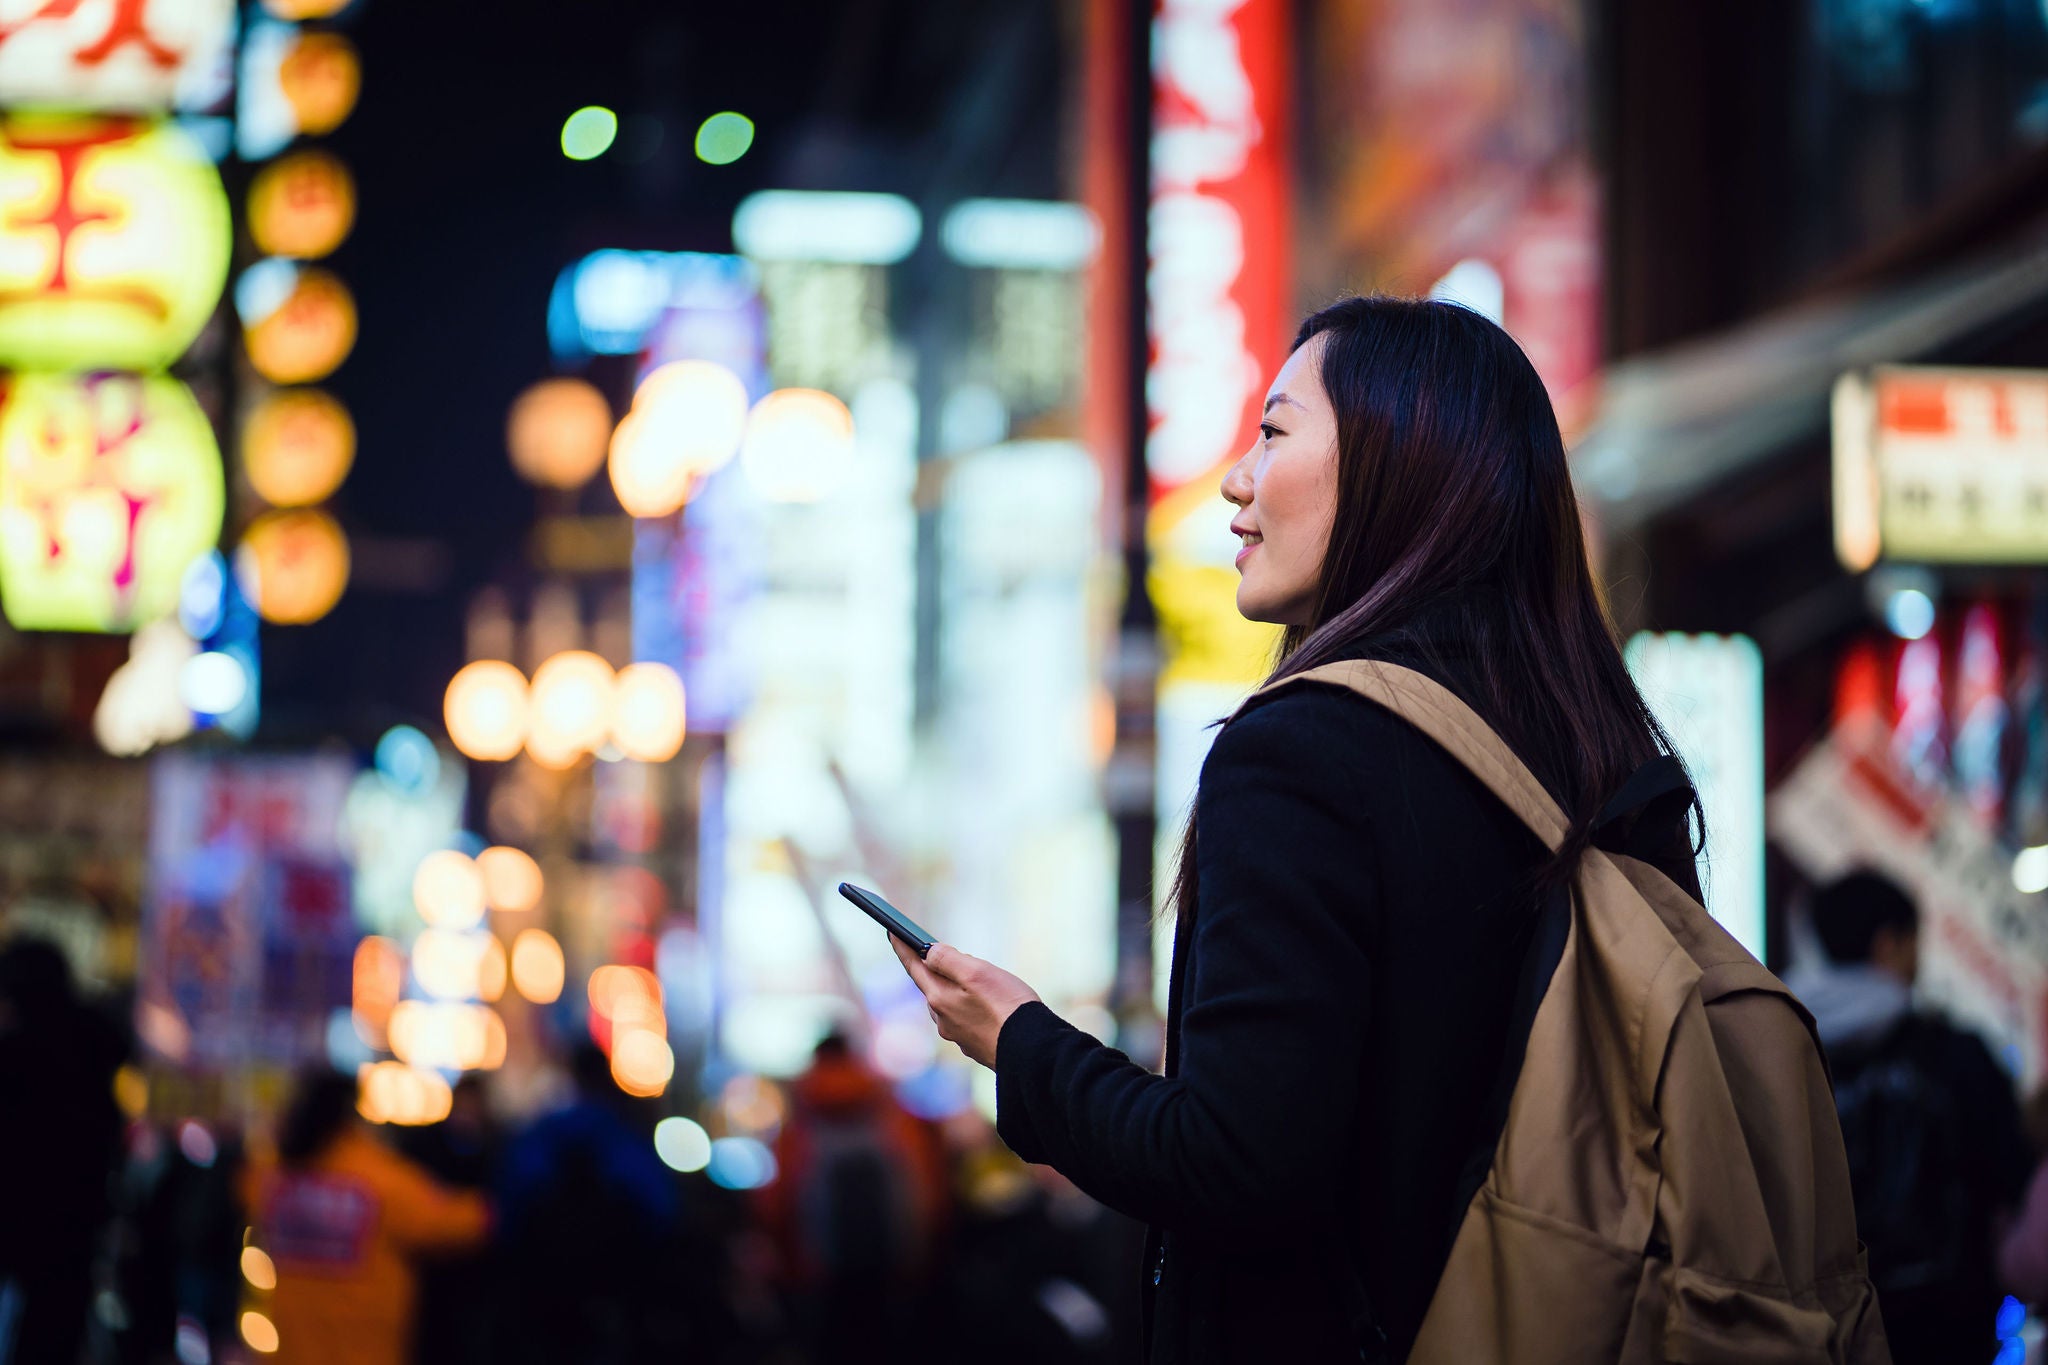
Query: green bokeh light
(724, 138)
(588, 132)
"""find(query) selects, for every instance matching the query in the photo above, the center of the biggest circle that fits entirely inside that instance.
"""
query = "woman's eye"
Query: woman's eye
(1268, 431)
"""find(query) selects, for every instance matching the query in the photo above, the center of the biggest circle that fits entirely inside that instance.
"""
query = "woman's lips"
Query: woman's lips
(1247, 550)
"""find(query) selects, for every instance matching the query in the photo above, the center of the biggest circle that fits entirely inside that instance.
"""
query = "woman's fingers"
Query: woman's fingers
(919, 973)
(949, 963)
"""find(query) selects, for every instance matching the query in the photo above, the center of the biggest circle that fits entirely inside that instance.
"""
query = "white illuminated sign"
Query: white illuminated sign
(1708, 692)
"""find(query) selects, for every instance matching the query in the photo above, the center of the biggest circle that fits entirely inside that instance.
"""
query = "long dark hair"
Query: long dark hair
(1454, 500)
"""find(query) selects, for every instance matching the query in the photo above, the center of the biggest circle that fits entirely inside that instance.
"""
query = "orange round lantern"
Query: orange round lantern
(306, 337)
(321, 77)
(302, 205)
(294, 10)
(297, 447)
(297, 563)
(114, 244)
(558, 432)
(110, 486)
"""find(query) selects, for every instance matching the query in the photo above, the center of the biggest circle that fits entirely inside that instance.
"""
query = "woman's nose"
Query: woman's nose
(1237, 484)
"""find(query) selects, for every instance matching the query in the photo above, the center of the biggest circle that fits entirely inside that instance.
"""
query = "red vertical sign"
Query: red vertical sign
(1217, 280)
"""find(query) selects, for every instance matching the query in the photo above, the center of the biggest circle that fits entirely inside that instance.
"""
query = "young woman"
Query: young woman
(1352, 905)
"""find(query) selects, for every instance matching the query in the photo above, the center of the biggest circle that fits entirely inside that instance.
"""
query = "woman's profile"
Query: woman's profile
(1354, 906)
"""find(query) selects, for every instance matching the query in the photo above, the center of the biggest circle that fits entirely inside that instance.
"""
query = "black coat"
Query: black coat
(1335, 1022)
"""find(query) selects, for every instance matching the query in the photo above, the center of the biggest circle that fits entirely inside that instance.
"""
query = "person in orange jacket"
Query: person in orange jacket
(343, 1219)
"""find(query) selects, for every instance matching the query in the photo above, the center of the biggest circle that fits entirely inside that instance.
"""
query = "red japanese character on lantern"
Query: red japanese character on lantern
(110, 485)
(114, 238)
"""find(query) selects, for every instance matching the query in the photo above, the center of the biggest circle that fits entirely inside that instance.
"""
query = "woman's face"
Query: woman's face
(1285, 488)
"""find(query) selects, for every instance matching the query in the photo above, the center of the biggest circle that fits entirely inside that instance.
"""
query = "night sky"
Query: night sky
(468, 210)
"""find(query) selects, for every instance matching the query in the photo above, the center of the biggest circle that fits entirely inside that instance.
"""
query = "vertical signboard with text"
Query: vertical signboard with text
(1217, 287)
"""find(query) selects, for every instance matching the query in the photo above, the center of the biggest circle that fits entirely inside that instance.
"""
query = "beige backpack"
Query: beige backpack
(1670, 1184)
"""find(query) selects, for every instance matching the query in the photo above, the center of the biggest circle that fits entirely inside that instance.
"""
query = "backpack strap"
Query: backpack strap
(1431, 707)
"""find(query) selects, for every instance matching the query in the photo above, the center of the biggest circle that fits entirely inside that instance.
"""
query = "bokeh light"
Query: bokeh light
(537, 967)
(393, 1092)
(297, 447)
(449, 1034)
(448, 964)
(626, 996)
(589, 132)
(492, 971)
(486, 710)
(648, 712)
(321, 77)
(572, 706)
(309, 332)
(558, 432)
(642, 1062)
(799, 445)
(296, 563)
(740, 1163)
(258, 1269)
(512, 879)
(379, 981)
(724, 138)
(407, 759)
(259, 1332)
(682, 1144)
(213, 683)
(448, 891)
(302, 205)
(688, 419)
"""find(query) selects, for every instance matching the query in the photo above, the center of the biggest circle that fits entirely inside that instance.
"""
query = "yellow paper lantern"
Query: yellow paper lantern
(321, 77)
(110, 486)
(307, 336)
(114, 242)
(297, 447)
(486, 710)
(648, 712)
(302, 205)
(113, 56)
(799, 445)
(687, 420)
(557, 432)
(297, 563)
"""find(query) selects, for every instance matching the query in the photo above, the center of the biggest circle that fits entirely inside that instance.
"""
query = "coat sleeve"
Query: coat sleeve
(1248, 1132)
(424, 1215)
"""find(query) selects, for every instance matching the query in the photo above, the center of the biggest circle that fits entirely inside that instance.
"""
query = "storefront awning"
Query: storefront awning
(1675, 423)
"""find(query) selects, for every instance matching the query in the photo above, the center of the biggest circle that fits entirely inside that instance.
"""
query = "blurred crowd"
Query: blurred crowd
(567, 1237)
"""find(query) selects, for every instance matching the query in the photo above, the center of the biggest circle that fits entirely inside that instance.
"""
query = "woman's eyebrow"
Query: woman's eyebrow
(1282, 398)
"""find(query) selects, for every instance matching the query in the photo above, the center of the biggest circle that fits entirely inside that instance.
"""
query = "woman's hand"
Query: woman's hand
(969, 999)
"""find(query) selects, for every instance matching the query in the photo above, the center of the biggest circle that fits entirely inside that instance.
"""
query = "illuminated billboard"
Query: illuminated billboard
(1941, 465)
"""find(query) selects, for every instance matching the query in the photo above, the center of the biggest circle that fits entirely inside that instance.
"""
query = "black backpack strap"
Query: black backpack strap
(1656, 781)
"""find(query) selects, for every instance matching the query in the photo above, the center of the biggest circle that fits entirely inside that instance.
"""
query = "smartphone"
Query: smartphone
(889, 917)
